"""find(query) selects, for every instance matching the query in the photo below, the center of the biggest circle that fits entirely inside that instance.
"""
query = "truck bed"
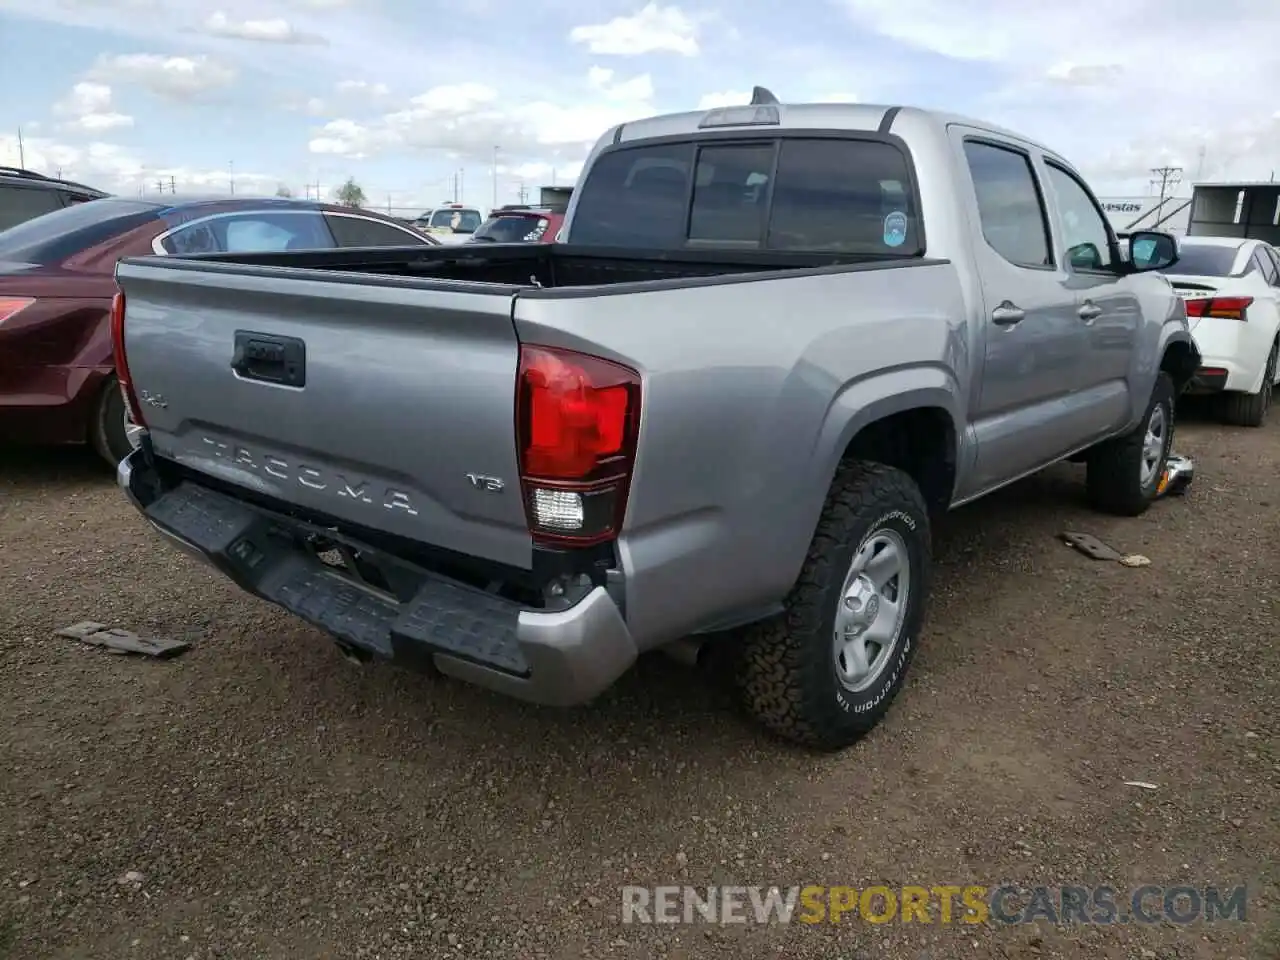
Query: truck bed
(547, 266)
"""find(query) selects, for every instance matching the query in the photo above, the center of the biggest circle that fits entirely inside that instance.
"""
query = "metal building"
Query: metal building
(1236, 210)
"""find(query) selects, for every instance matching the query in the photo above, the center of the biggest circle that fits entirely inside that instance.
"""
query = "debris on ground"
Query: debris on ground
(1141, 783)
(117, 640)
(1090, 546)
(1136, 560)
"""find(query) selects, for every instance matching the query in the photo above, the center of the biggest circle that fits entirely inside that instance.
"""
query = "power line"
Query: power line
(1168, 179)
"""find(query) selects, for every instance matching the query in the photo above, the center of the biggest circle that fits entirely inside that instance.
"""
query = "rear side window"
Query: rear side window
(1009, 204)
(20, 204)
(1195, 260)
(69, 230)
(795, 194)
(363, 232)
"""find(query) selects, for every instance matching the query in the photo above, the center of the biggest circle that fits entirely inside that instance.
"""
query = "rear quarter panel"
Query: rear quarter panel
(751, 391)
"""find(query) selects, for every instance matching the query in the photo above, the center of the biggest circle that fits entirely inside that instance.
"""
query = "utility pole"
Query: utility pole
(455, 186)
(1168, 179)
(173, 184)
(524, 192)
(495, 177)
(159, 186)
(462, 185)
(22, 151)
(1200, 162)
(231, 176)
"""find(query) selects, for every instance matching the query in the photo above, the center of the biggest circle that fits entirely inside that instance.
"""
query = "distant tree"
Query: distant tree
(350, 194)
(283, 191)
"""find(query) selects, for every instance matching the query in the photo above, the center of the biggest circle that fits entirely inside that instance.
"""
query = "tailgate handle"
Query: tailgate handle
(270, 359)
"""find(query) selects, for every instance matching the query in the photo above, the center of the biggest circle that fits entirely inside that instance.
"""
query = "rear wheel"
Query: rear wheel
(109, 432)
(824, 672)
(1250, 409)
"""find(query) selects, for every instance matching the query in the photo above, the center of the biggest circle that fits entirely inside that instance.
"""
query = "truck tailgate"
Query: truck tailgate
(383, 402)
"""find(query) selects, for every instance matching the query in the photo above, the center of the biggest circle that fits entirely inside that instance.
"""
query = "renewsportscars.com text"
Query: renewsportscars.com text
(939, 903)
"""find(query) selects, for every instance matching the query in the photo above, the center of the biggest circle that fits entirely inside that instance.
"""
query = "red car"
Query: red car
(519, 225)
(57, 278)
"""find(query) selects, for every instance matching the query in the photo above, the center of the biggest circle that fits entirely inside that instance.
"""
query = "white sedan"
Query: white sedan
(1231, 288)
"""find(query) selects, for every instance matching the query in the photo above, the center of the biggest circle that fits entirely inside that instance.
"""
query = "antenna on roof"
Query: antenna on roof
(761, 95)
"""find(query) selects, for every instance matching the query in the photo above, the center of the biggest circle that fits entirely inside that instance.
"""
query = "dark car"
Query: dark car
(512, 225)
(57, 280)
(25, 194)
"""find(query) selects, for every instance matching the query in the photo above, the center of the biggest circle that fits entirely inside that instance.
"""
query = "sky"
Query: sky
(417, 99)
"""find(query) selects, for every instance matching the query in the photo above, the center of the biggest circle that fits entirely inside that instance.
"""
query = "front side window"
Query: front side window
(1084, 230)
(795, 194)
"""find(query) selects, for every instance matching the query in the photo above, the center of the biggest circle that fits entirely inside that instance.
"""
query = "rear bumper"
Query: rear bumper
(1209, 379)
(557, 658)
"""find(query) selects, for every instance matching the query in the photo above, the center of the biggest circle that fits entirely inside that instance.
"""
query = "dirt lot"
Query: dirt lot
(274, 801)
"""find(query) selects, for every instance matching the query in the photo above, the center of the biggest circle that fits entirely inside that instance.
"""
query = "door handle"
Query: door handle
(1089, 311)
(1007, 315)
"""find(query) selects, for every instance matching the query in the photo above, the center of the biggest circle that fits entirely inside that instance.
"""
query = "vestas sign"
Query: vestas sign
(1120, 206)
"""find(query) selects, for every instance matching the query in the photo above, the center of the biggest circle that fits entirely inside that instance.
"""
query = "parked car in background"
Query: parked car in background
(779, 342)
(450, 222)
(57, 382)
(527, 225)
(25, 194)
(1231, 288)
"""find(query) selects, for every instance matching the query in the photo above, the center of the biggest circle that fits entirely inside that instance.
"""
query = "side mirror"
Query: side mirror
(1085, 256)
(1152, 250)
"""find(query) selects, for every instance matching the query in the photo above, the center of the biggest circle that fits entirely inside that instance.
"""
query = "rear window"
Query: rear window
(55, 236)
(1203, 261)
(795, 194)
(460, 221)
(513, 229)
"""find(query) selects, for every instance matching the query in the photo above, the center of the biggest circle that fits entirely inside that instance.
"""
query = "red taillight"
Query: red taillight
(1226, 308)
(10, 306)
(577, 420)
(122, 362)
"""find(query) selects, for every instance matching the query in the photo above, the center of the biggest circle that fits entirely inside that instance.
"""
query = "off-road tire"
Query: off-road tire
(785, 672)
(107, 429)
(1250, 409)
(1114, 478)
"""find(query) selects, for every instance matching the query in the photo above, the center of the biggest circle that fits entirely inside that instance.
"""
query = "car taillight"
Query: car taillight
(122, 362)
(1227, 308)
(577, 420)
(11, 306)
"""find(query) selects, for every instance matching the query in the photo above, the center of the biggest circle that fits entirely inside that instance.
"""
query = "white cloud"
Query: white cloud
(116, 169)
(275, 30)
(638, 89)
(173, 77)
(88, 109)
(362, 88)
(1161, 80)
(654, 29)
(725, 98)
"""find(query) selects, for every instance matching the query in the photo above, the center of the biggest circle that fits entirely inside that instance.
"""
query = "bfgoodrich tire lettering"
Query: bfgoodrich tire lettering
(1115, 479)
(787, 674)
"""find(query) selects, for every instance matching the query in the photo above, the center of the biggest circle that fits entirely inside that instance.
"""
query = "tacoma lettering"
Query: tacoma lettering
(313, 478)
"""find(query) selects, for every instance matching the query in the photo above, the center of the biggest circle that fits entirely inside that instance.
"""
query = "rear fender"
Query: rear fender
(860, 404)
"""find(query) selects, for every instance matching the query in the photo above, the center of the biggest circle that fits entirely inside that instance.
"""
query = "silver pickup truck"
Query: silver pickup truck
(779, 341)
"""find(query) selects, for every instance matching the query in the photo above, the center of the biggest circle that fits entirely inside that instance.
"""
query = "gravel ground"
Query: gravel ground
(260, 797)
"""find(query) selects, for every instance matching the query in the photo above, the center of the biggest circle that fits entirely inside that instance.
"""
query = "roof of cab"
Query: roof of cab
(814, 116)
